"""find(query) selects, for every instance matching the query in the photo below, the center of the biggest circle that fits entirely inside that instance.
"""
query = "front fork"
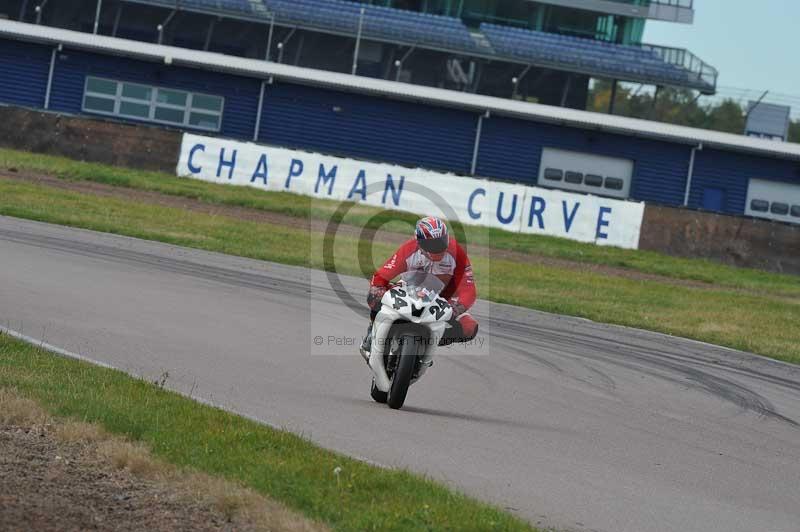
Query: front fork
(381, 328)
(380, 331)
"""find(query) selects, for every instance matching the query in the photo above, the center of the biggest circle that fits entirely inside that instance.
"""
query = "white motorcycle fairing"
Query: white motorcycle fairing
(402, 304)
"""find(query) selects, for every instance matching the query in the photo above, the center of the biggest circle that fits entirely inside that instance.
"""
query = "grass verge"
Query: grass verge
(763, 322)
(326, 487)
(705, 271)
(92, 456)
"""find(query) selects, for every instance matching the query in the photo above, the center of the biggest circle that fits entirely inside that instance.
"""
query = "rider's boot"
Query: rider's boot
(366, 344)
(425, 362)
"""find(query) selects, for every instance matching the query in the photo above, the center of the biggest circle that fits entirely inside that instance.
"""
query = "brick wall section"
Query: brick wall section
(99, 141)
(733, 240)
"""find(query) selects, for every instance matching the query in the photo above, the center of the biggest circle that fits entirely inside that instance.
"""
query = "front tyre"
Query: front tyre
(410, 348)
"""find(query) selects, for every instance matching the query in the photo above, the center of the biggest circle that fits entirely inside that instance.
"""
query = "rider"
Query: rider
(432, 251)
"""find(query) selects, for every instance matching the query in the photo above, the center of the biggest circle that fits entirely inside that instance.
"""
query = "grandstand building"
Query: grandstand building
(201, 68)
(543, 51)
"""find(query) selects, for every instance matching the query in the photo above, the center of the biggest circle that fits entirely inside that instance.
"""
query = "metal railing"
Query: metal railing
(687, 4)
(699, 69)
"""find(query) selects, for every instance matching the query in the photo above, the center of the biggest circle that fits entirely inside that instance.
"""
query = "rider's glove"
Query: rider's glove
(458, 308)
(374, 296)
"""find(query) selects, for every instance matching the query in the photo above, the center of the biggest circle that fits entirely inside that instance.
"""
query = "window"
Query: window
(587, 173)
(779, 208)
(773, 199)
(98, 105)
(101, 86)
(594, 180)
(553, 174)
(153, 104)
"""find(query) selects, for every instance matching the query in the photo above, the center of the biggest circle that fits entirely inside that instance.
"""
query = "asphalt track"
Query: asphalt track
(562, 421)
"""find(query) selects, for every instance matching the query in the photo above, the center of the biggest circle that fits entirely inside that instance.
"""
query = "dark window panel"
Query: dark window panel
(781, 209)
(171, 97)
(759, 205)
(137, 92)
(594, 180)
(208, 103)
(553, 174)
(170, 115)
(614, 183)
(136, 110)
(203, 120)
(575, 178)
(796, 211)
(100, 105)
(101, 86)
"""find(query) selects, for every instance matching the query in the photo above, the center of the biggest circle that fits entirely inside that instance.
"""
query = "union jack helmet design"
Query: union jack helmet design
(432, 235)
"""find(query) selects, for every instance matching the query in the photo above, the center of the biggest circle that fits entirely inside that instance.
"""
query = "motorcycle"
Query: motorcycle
(405, 333)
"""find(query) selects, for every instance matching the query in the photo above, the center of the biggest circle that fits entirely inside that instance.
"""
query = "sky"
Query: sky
(753, 44)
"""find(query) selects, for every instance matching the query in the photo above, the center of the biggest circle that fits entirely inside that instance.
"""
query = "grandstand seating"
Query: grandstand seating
(232, 7)
(597, 57)
(379, 22)
(242, 6)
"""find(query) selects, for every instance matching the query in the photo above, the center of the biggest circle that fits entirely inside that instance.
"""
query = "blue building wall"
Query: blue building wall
(381, 129)
(368, 127)
(730, 172)
(23, 73)
(512, 149)
(241, 94)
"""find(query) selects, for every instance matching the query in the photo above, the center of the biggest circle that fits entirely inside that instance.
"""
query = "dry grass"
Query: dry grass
(134, 457)
(80, 432)
(18, 411)
(235, 502)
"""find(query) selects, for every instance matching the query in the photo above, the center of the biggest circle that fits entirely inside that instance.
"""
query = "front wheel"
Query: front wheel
(409, 348)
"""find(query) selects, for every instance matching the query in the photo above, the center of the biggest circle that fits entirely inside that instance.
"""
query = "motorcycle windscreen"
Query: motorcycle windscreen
(424, 285)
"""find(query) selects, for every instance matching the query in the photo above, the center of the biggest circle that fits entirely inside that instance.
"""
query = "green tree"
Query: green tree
(727, 116)
(794, 131)
(675, 106)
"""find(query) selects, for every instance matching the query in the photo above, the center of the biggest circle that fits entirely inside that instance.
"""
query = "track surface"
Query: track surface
(565, 422)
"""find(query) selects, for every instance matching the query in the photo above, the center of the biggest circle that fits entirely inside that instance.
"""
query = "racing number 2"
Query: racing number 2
(439, 309)
(398, 294)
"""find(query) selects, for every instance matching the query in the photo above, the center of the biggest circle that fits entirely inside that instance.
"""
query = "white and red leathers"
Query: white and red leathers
(453, 269)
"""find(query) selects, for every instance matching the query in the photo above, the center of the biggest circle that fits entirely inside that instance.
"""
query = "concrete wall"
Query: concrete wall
(732, 240)
(83, 139)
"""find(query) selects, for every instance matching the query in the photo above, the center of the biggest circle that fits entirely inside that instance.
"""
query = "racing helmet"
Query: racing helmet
(431, 233)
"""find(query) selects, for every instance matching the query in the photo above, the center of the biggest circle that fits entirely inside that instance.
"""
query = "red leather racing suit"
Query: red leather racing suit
(454, 270)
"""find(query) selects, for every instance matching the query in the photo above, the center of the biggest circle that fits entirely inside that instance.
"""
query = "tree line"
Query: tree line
(675, 106)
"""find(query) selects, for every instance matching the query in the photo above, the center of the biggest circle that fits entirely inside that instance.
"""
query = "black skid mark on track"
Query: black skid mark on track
(606, 383)
(667, 363)
(192, 269)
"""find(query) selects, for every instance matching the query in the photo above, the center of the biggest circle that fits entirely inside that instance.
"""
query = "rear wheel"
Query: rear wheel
(409, 348)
